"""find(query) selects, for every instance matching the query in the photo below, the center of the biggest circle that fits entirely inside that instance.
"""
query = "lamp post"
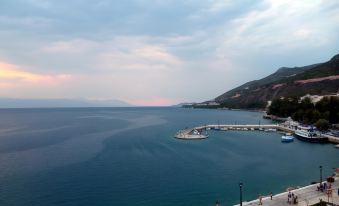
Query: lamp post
(240, 187)
(321, 173)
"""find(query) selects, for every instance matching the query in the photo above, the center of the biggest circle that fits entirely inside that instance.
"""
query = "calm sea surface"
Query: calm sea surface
(128, 156)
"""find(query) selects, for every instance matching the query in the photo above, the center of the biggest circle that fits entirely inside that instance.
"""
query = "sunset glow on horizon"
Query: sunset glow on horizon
(156, 53)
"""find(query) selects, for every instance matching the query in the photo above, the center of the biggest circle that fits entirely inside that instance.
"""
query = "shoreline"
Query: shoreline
(307, 195)
(229, 109)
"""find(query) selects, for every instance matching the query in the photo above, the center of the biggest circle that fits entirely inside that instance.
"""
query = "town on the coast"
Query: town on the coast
(302, 103)
(309, 119)
(312, 127)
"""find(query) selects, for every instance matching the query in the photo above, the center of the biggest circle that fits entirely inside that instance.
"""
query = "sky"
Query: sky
(156, 52)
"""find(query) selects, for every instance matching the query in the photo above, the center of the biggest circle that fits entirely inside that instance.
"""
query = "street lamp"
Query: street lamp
(240, 187)
(321, 173)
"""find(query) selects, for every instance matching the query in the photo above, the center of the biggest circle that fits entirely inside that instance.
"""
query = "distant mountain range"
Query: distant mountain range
(52, 103)
(316, 79)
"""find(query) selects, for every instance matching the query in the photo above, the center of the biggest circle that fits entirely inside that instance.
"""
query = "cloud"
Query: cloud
(171, 50)
(217, 5)
(280, 26)
(13, 73)
(145, 58)
(71, 46)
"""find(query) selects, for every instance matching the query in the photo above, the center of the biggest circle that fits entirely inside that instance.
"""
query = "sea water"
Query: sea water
(129, 156)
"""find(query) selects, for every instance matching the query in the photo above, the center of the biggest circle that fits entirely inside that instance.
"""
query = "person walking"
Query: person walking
(260, 199)
(271, 195)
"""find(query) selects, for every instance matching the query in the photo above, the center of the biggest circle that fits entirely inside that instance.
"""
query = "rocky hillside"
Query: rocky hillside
(320, 79)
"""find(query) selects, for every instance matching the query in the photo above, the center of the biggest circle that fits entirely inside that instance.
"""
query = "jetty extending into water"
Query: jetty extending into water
(198, 131)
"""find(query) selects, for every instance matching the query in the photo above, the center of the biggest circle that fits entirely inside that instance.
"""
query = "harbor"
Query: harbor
(306, 195)
(195, 132)
(200, 132)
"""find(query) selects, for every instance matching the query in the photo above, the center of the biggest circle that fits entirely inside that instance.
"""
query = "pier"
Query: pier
(190, 133)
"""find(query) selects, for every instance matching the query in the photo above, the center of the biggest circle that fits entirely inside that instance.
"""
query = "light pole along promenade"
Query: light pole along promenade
(240, 187)
(308, 195)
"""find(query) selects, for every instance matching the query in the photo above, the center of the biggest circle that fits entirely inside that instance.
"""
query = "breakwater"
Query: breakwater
(196, 132)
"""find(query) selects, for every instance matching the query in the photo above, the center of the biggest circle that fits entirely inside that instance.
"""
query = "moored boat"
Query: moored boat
(270, 130)
(188, 134)
(287, 138)
(309, 134)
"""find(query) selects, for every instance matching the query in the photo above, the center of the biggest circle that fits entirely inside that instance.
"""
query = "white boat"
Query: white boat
(194, 134)
(309, 134)
(270, 130)
(287, 138)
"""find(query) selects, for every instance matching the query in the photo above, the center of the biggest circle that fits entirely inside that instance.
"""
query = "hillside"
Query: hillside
(318, 79)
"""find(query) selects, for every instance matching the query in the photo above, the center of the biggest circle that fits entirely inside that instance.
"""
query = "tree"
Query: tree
(305, 111)
(322, 124)
(306, 104)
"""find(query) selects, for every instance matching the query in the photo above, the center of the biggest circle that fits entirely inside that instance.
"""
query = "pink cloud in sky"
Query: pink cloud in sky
(14, 74)
(155, 101)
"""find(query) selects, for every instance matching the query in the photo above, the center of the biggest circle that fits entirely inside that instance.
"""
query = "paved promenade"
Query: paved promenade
(306, 196)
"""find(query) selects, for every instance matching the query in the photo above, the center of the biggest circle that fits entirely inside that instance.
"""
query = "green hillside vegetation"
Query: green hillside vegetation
(255, 94)
(304, 111)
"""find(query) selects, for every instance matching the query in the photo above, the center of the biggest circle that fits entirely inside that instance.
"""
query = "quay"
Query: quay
(197, 132)
(246, 127)
(307, 196)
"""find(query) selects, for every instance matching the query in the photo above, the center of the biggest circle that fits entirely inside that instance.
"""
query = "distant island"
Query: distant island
(54, 103)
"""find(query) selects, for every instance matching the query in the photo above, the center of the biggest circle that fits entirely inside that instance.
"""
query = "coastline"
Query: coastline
(307, 195)
(229, 109)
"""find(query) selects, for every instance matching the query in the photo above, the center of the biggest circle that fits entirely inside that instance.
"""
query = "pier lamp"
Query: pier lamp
(240, 187)
(321, 173)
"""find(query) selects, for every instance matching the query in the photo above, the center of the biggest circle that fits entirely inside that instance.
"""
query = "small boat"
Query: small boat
(270, 130)
(287, 138)
(223, 129)
(188, 134)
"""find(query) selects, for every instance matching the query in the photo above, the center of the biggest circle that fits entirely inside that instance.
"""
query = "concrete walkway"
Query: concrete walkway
(306, 196)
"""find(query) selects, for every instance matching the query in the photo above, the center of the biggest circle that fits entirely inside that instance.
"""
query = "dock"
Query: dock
(188, 132)
(246, 127)
(332, 139)
(308, 195)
